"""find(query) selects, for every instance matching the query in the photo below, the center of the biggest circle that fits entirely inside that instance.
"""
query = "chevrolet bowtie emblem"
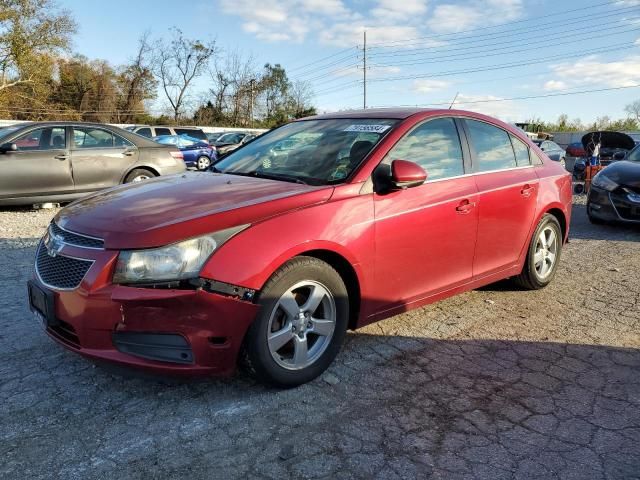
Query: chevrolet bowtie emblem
(54, 244)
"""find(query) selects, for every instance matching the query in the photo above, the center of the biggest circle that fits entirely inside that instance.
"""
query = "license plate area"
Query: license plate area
(42, 303)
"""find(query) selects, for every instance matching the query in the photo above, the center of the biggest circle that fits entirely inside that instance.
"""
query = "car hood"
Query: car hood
(606, 140)
(624, 173)
(172, 208)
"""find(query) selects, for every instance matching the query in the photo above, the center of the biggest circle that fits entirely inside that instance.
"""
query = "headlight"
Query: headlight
(178, 261)
(604, 182)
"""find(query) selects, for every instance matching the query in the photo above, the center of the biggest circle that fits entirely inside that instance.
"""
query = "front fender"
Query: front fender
(344, 227)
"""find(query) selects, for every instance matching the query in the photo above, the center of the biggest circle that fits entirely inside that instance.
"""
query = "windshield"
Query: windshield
(634, 155)
(7, 130)
(316, 152)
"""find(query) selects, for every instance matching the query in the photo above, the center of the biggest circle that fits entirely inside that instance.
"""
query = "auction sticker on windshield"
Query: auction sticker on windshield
(367, 128)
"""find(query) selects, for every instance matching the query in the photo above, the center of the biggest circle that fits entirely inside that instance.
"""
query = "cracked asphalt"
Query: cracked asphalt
(495, 383)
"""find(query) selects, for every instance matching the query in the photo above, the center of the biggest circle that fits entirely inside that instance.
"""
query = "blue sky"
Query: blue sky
(421, 52)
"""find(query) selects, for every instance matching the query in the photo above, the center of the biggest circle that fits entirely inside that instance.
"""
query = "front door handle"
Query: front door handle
(128, 153)
(465, 207)
(527, 190)
(64, 156)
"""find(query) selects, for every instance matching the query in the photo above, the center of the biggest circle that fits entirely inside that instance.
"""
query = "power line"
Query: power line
(527, 97)
(480, 45)
(473, 56)
(582, 8)
(506, 65)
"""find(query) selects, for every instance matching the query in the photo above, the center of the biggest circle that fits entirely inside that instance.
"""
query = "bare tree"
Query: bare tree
(137, 81)
(234, 91)
(633, 109)
(176, 64)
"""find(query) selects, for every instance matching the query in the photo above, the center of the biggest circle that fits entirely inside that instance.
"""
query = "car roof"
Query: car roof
(394, 113)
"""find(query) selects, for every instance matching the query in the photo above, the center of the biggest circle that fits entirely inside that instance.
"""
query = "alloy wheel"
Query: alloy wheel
(301, 325)
(546, 252)
(203, 163)
(140, 178)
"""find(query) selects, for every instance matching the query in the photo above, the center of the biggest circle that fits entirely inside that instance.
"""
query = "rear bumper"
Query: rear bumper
(166, 332)
(612, 206)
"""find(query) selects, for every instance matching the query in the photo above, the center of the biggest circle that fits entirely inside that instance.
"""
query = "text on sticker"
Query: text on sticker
(367, 128)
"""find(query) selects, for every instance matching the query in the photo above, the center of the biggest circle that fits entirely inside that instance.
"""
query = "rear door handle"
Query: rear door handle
(465, 207)
(527, 190)
(61, 157)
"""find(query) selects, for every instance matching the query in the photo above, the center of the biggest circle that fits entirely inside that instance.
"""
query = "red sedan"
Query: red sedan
(327, 223)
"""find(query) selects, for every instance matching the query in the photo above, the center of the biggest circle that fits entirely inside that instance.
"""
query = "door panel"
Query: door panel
(41, 165)
(425, 240)
(99, 158)
(507, 206)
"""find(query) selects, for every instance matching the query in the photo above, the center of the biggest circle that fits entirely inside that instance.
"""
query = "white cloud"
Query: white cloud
(552, 85)
(429, 85)
(492, 105)
(394, 10)
(594, 72)
(449, 17)
(637, 42)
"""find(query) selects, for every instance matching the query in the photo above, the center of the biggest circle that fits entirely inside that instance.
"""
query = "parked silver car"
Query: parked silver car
(62, 161)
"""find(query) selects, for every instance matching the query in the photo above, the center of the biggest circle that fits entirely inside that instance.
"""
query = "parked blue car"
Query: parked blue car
(197, 153)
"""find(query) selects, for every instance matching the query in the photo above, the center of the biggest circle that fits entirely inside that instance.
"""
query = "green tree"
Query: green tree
(29, 30)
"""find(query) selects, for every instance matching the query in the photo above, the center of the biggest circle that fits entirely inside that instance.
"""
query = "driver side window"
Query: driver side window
(435, 146)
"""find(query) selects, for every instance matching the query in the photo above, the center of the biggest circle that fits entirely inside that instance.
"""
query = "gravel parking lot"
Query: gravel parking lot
(491, 384)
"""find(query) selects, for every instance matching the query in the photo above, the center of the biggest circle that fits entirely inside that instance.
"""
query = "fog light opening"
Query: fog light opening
(217, 340)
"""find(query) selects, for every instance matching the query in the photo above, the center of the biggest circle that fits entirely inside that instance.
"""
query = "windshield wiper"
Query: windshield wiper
(258, 174)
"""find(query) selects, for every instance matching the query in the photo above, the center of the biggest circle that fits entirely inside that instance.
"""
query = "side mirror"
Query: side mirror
(8, 147)
(405, 174)
(619, 155)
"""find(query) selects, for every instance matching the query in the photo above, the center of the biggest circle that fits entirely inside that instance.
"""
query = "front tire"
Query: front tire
(543, 255)
(301, 325)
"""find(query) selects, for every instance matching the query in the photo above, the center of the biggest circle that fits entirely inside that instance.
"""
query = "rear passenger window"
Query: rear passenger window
(435, 146)
(492, 146)
(522, 152)
(145, 132)
(162, 131)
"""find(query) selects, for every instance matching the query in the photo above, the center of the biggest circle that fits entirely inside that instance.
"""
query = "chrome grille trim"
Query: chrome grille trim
(76, 239)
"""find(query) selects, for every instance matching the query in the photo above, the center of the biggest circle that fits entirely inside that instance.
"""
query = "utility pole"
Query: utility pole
(251, 84)
(364, 70)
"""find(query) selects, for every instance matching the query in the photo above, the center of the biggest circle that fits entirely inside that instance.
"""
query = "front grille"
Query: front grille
(60, 272)
(75, 239)
(66, 333)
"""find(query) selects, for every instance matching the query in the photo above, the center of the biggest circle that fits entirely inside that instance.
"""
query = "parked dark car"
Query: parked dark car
(554, 151)
(62, 161)
(213, 137)
(276, 260)
(232, 140)
(157, 131)
(615, 192)
(197, 154)
(614, 146)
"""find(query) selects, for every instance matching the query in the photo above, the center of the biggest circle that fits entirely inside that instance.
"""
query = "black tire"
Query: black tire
(529, 278)
(256, 353)
(139, 173)
(592, 219)
(203, 158)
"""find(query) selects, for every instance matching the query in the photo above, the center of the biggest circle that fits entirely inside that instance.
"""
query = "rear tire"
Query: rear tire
(203, 163)
(301, 325)
(543, 256)
(139, 175)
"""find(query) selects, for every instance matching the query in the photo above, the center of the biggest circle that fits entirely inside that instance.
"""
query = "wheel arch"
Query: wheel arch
(348, 275)
(562, 220)
(139, 167)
